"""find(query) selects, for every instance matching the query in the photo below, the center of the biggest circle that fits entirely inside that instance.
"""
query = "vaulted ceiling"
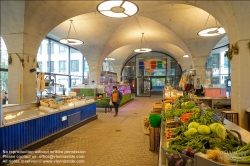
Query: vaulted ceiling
(168, 28)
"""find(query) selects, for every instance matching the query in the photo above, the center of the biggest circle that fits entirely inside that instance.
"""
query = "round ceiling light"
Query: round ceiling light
(185, 56)
(117, 8)
(143, 50)
(109, 59)
(215, 31)
(71, 41)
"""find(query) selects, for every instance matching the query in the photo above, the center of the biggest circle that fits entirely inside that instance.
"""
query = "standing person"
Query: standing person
(116, 97)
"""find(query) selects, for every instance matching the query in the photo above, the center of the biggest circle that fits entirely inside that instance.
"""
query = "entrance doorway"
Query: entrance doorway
(143, 86)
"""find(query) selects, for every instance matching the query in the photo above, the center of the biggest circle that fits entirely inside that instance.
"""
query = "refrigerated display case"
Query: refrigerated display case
(27, 124)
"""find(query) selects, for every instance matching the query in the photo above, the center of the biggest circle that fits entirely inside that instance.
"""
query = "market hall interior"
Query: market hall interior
(170, 27)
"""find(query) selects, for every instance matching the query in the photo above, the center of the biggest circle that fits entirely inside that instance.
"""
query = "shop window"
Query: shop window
(50, 66)
(62, 66)
(3, 55)
(40, 50)
(52, 47)
(40, 64)
(213, 61)
(4, 80)
(62, 49)
(72, 51)
(226, 62)
(74, 65)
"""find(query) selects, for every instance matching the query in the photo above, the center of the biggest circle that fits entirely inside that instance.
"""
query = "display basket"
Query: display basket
(145, 124)
(155, 120)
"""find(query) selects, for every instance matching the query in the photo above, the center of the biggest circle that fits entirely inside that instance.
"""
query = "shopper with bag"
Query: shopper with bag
(116, 98)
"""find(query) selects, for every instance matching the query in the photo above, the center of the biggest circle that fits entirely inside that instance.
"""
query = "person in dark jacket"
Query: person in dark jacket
(116, 98)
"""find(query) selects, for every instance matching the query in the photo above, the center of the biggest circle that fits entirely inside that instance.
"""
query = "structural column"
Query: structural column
(240, 98)
(22, 49)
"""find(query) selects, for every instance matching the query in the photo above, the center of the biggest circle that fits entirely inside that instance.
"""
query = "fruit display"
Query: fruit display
(201, 132)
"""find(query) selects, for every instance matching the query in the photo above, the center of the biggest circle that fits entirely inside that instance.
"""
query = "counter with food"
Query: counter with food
(27, 124)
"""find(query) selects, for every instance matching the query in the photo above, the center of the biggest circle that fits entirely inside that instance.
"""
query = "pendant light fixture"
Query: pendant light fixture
(71, 41)
(141, 49)
(109, 59)
(213, 31)
(117, 8)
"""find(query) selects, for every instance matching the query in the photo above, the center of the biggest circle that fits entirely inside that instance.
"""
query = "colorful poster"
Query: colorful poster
(147, 65)
(159, 64)
(153, 64)
(141, 65)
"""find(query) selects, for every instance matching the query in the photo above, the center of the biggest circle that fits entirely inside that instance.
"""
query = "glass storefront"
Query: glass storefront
(65, 66)
(218, 70)
(3, 67)
(149, 72)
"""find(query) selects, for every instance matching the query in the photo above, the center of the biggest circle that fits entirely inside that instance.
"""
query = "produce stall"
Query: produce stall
(194, 135)
(27, 124)
(102, 94)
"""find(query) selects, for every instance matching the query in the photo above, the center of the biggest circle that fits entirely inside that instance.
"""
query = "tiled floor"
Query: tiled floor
(107, 141)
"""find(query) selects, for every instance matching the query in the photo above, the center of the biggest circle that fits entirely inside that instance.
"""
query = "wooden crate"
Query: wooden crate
(157, 107)
(154, 139)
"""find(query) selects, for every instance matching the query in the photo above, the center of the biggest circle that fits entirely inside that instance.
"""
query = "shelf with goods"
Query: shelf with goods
(194, 139)
(124, 89)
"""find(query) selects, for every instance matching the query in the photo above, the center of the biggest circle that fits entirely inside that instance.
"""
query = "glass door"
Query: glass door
(143, 86)
(158, 84)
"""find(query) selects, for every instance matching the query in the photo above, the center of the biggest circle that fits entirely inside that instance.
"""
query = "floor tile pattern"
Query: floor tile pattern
(107, 141)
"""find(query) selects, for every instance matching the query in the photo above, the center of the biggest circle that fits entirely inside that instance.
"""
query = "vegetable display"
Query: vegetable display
(200, 132)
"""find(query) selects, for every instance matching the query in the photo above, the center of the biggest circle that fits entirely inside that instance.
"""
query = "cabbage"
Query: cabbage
(204, 130)
(193, 125)
(213, 127)
(221, 131)
(190, 132)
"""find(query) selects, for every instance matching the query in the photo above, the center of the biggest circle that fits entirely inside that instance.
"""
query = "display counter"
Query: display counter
(215, 102)
(199, 159)
(29, 123)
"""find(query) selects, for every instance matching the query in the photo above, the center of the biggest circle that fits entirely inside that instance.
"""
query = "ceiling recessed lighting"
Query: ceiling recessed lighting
(185, 56)
(109, 59)
(117, 8)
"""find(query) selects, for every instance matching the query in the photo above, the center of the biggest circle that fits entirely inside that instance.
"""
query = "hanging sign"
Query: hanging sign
(150, 71)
